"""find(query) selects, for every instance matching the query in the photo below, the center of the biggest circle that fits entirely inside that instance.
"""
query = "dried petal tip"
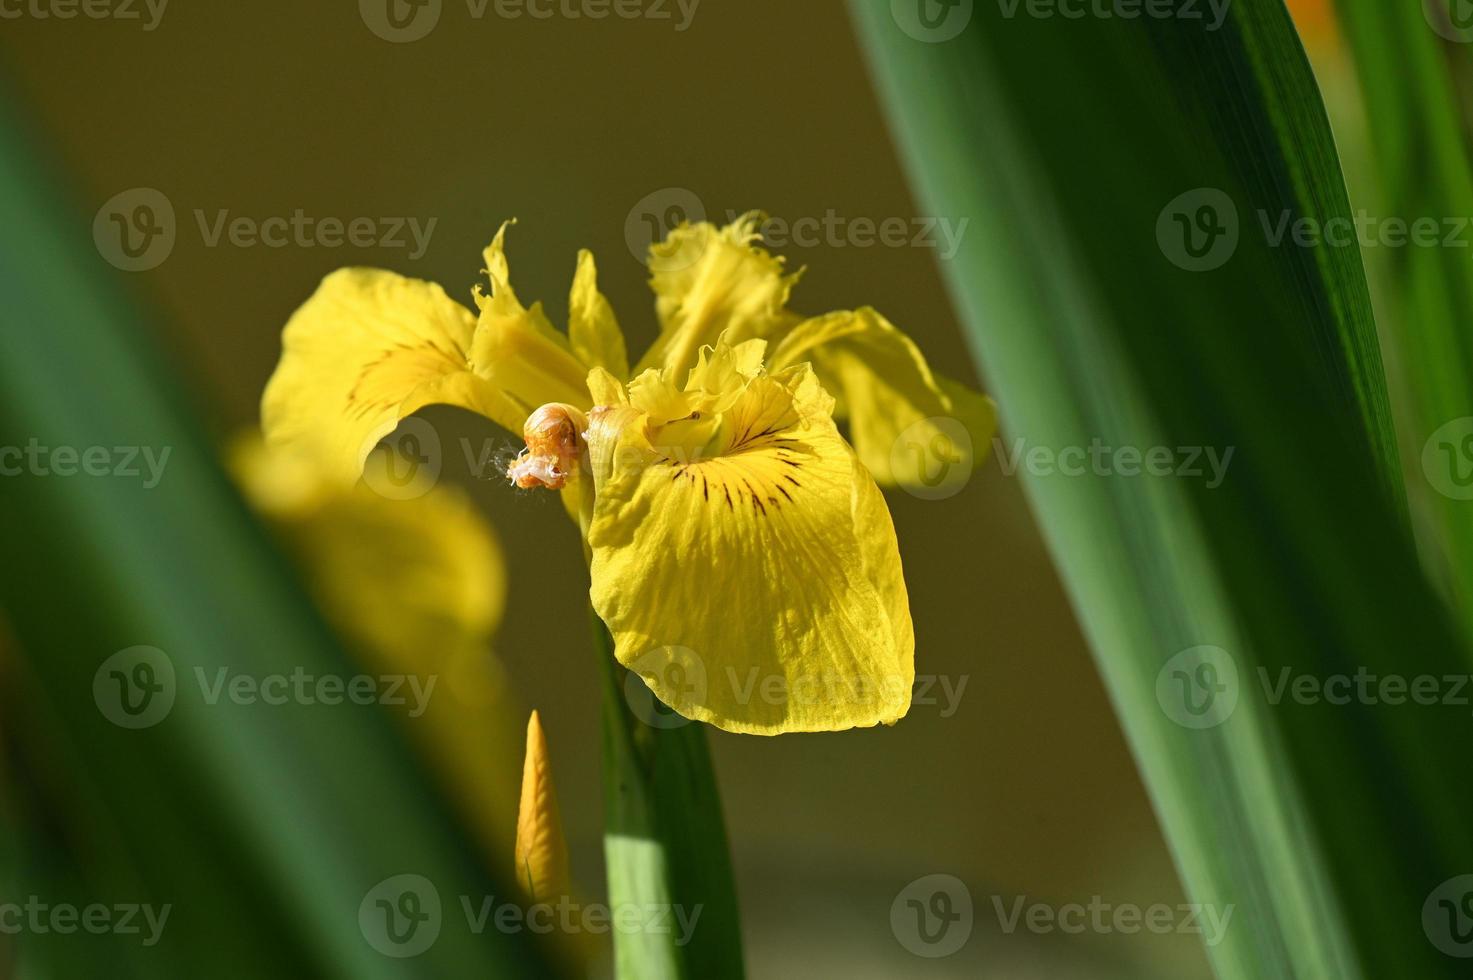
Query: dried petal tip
(554, 447)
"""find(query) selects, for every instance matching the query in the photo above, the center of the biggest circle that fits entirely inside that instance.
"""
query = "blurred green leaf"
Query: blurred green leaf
(1083, 151)
(265, 829)
(1410, 82)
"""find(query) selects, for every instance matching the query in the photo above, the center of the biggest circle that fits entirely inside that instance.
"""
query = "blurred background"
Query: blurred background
(1020, 787)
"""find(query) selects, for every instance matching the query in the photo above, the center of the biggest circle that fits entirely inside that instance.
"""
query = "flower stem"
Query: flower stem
(664, 838)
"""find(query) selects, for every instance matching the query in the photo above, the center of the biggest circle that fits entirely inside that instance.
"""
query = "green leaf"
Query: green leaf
(1410, 79)
(1326, 827)
(265, 829)
(665, 836)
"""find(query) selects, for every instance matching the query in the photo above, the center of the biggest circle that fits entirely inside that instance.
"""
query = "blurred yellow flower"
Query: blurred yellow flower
(731, 528)
(415, 587)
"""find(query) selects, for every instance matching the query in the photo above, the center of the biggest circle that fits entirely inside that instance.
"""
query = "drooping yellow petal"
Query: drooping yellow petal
(416, 587)
(518, 349)
(893, 401)
(541, 850)
(758, 586)
(593, 330)
(366, 350)
(711, 281)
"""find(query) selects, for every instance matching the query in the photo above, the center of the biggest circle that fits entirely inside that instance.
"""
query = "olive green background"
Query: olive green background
(261, 109)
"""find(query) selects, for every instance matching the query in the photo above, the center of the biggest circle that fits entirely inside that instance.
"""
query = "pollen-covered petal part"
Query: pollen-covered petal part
(541, 849)
(711, 281)
(367, 349)
(892, 399)
(772, 568)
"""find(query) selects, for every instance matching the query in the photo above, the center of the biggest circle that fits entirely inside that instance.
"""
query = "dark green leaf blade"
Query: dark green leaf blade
(1068, 142)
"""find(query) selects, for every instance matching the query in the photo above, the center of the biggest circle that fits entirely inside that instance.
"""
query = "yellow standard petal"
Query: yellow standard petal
(519, 350)
(541, 850)
(904, 420)
(367, 349)
(593, 329)
(710, 281)
(749, 571)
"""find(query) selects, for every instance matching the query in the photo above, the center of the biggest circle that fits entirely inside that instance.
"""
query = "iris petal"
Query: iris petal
(769, 574)
(368, 349)
(887, 391)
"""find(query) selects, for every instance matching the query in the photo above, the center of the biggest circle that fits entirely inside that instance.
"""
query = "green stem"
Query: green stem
(664, 837)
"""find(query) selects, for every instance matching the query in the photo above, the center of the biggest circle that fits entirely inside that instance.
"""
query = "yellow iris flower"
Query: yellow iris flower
(741, 553)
